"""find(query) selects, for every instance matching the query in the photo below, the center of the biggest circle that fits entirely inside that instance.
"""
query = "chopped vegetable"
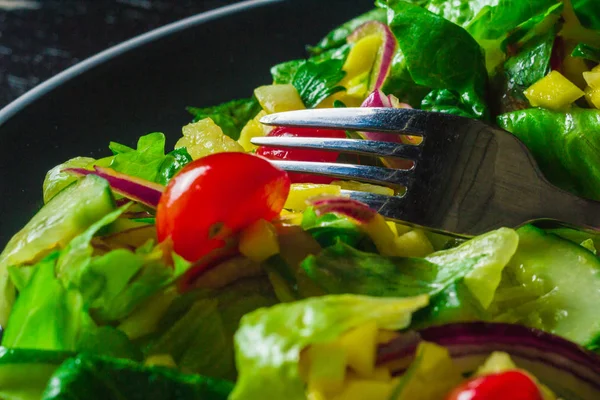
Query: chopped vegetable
(553, 91)
(205, 137)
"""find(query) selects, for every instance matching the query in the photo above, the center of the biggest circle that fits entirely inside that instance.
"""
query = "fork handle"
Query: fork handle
(573, 210)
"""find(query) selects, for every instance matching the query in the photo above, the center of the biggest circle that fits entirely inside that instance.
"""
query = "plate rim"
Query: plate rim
(27, 98)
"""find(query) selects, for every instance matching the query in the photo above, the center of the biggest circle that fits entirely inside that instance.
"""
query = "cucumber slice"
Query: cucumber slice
(551, 284)
(68, 214)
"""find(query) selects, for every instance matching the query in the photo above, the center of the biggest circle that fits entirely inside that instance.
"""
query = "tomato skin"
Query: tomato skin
(274, 153)
(216, 196)
(513, 385)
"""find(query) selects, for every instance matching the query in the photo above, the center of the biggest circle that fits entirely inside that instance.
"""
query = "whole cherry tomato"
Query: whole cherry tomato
(274, 153)
(513, 385)
(216, 196)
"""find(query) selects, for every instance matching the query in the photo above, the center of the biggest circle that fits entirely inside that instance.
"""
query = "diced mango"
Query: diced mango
(327, 368)
(553, 91)
(381, 234)
(593, 97)
(573, 69)
(592, 78)
(413, 244)
(301, 192)
(362, 55)
(205, 137)
(161, 360)
(402, 229)
(596, 68)
(278, 98)
(365, 187)
(360, 345)
(365, 389)
(252, 129)
(259, 241)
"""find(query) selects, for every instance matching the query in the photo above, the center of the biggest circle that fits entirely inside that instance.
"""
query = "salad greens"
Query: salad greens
(96, 303)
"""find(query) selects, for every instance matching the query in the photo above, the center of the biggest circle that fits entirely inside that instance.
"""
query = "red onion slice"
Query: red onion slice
(568, 369)
(136, 189)
(356, 210)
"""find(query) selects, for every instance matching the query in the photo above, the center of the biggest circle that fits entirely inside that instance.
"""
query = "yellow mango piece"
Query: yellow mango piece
(553, 91)
(301, 192)
(496, 362)
(593, 97)
(413, 244)
(290, 218)
(386, 336)
(573, 69)
(205, 137)
(381, 234)
(360, 345)
(279, 98)
(362, 55)
(259, 241)
(365, 187)
(380, 374)
(252, 129)
(327, 368)
(592, 78)
(596, 68)
(160, 360)
(431, 376)
(401, 229)
(366, 389)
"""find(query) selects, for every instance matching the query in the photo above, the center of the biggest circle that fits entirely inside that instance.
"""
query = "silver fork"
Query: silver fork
(468, 177)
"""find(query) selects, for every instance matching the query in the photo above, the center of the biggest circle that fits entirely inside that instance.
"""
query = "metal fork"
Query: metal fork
(468, 177)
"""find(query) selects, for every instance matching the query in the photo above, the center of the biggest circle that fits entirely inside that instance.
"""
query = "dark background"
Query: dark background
(40, 38)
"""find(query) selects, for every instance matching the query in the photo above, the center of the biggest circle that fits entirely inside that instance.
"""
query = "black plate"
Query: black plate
(143, 85)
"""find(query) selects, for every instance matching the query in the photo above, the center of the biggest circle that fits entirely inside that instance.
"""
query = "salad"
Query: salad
(206, 273)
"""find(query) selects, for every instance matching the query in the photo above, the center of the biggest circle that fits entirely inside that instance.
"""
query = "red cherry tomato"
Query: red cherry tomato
(215, 196)
(274, 153)
(513, 385)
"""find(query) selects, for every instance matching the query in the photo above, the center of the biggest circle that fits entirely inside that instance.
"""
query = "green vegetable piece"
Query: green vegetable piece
(56, 180)
(554, 285)
(587, 12)
(145, 161)
(110, 342)
(456, 65)
(24, 373)
(284, 73)
(446, 101)
(586, 51)
(315, 82)
(589, 244)
(68, 214)
(86, 377)
(269, 340)
(566, 145)
(46, 316)
(173, 162)
(230, 116)
(337, 37)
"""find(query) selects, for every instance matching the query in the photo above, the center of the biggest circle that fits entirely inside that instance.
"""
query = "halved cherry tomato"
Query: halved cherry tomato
(274, 153)
(215, 196)
(513, 385)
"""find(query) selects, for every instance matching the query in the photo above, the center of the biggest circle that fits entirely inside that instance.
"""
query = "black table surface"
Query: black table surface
(40, 38)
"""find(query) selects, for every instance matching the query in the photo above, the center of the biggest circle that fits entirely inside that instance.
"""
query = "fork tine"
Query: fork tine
(390, 120)
(362, 173)
(354, 146)
(385, 205)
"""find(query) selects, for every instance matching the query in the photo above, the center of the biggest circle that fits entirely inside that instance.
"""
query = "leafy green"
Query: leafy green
(269, 340)
(586, 51)
(284, 73)
(337, 37)
(89, 377)
(566, 145)
(46, 316)
(230, 116)
(64, 217)
(453, 62)
(342, 269)
(315, 82)
(587, 12)
(328, 229)
(172, 163)
(24, 373)
(446, 101)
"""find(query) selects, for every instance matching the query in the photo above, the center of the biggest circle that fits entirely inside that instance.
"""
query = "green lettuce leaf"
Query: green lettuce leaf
(480, 261)
(329, 229)
(269, 340)
(566, 145)
(284, 73)
(88, 377)
(586, 51)
(317, 81)
(456, 64)
(172, 163)
(230, 116)
(337, 37)
(587, 12)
